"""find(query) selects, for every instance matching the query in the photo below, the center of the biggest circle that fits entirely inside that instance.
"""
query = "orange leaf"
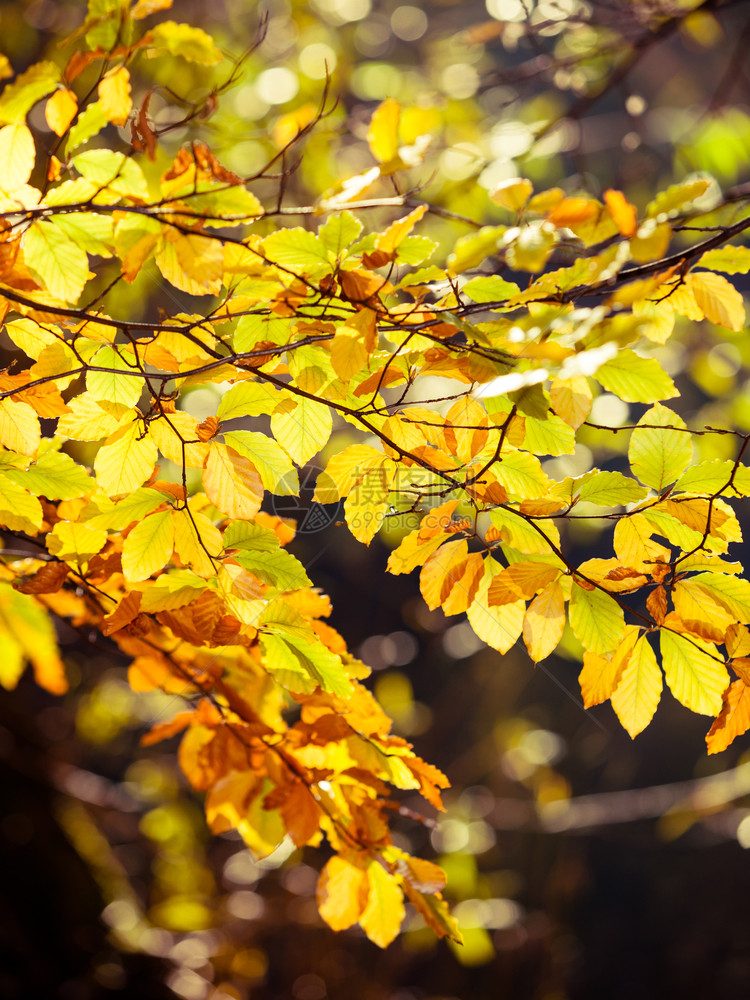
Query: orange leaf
(624, 215)
(733, 720)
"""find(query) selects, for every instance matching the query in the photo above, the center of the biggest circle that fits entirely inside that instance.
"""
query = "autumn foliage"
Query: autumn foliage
(443, 388)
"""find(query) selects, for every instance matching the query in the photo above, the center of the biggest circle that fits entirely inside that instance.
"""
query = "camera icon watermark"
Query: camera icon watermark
(310, 515)
(367, 500)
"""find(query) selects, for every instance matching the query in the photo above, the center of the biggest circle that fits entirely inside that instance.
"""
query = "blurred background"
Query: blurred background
(580, 864)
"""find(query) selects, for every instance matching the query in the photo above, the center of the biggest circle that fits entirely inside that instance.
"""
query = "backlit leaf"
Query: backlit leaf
(384, 912)
(719, 301)
(125, 461)
(148, 546)
(635, 379)
(639, 689)
(596, 619)
(17, 155)
(660, 450)
(544, 622)
(232, 482)
(695, 675)
(342, 891)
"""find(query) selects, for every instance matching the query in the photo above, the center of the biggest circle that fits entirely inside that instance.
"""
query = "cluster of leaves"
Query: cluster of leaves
(456, 382)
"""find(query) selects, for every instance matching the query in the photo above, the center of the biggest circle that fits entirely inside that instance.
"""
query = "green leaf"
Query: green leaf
(90, 231)
(314, 659)
(112, 171)
(116, 516)
(659, 454)
(261, 327)
(710, 476)
(298, 250)
(551, 436)
(471, 250)
(248, 399)
(273, 464)
(183, 40)
(88, 124)
(55, 476)
(522, 476)
(250, 536)
(635, 379)
(696, 678)
(611, 489)
(111, 386)
(61, 265)
(489, 288)
(596, 618)
(416, 249)
(728, 591)
(339, 232)
(277, 568)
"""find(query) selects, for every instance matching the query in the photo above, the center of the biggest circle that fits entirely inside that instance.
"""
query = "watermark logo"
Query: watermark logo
(310, 515)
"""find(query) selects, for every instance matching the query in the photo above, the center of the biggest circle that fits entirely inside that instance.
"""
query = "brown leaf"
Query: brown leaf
(656, 602)
(47, 580)
(125, 612)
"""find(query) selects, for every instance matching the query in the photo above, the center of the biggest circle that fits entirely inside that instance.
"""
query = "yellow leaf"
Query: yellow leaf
(435, 575)
(145, 7)
(176, 437)
(717, 299)
(60, 110)
(571, 399)
(384, 913)
(348, 356)
(125, 461)
(56, 260)
(634, 546)
(513, 194)
(197, 541)
(231, 482)
(696, 678)
(394, 235)
(544, 622)
(601, 674)
(192, 263)
(19, 427)
(367, 503)
(682, 301)
(499, 627)
(382, 135)
(88, 420)
(148, 546)
(114, 95)
(74, 542)
(17, 155)
(733, 720)
(638, 692)
(342, 892)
